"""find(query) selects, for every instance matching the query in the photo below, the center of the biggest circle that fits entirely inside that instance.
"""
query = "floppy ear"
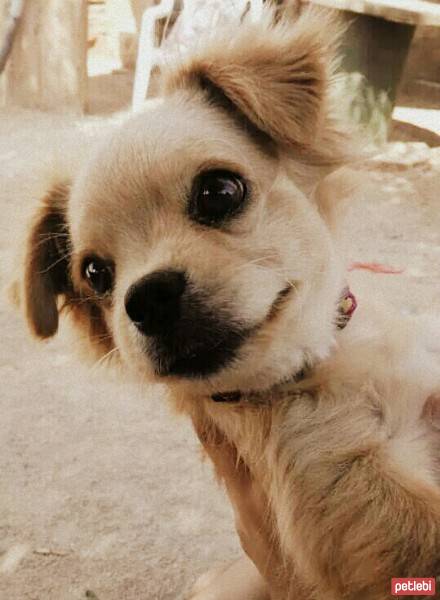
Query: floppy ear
(46, 263)
(276, 76)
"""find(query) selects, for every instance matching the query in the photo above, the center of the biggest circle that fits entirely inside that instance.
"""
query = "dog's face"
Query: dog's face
(185, 244)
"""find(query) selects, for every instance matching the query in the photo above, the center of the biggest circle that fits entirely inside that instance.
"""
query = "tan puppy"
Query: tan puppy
(194, 246)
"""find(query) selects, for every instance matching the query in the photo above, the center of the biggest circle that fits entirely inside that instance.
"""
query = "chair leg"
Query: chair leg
(147, 54)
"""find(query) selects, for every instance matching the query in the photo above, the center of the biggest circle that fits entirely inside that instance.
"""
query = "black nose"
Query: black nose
(154, 302)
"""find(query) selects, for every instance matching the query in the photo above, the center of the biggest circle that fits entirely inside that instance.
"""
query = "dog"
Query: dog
(195, 247)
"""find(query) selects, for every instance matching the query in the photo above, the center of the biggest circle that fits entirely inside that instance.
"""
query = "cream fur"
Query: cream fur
(347, 458)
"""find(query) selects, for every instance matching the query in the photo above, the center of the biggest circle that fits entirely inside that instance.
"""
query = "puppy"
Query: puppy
(195, 247)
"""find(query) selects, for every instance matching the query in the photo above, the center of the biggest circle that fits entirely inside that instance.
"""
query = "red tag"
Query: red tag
(413, 586)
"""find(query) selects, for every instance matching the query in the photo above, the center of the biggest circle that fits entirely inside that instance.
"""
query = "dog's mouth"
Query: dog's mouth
(202, 343)
(197, 359)
(278, 303)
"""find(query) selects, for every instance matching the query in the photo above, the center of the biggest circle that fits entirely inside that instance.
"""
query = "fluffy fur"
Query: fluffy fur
(347, 457)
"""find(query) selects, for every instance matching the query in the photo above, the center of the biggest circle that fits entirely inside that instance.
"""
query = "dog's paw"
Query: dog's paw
(205, 588)
(239, 580)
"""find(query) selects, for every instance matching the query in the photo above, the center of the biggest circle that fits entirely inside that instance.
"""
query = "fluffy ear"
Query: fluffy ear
(46, 263)
(276, 76)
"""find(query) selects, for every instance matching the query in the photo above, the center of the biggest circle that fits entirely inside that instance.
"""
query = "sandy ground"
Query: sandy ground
(102, 488)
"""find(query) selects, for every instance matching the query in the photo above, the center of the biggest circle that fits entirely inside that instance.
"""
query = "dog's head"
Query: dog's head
(192, 242)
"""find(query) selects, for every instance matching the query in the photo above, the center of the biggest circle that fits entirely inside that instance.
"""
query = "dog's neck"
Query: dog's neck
(346, 306)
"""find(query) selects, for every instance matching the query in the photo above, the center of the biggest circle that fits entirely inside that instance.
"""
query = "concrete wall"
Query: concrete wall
(424, 59)
(421, 79)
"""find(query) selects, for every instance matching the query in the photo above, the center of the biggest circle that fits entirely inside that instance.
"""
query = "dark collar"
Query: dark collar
(346, 306)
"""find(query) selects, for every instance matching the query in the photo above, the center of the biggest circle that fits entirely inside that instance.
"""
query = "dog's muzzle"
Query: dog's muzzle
(183, 335)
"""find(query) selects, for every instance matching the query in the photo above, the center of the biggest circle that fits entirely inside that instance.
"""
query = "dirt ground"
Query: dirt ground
(102, 489)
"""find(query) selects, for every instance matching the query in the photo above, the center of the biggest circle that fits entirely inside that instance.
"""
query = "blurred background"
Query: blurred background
(82, 56)
(103, 494)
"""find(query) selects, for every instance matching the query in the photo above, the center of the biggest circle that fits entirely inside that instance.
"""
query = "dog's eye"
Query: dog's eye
(99, 273)
(216, 196)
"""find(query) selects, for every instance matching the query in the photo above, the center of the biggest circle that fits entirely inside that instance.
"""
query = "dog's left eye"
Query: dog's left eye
(99, 273)
(216, 196)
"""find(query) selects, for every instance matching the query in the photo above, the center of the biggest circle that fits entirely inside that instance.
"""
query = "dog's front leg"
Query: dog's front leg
(273, 578)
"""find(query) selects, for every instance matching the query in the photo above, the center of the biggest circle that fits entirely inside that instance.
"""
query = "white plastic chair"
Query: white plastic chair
(149, 55)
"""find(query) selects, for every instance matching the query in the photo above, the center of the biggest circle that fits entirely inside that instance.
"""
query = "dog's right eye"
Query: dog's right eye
(99, 273)
(216, 196)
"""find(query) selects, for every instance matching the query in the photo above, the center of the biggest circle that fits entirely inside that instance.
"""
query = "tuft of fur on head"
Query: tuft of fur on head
(279, 78)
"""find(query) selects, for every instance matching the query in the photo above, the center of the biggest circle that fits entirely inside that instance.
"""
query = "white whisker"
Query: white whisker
(52, 265)
(99, 362)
